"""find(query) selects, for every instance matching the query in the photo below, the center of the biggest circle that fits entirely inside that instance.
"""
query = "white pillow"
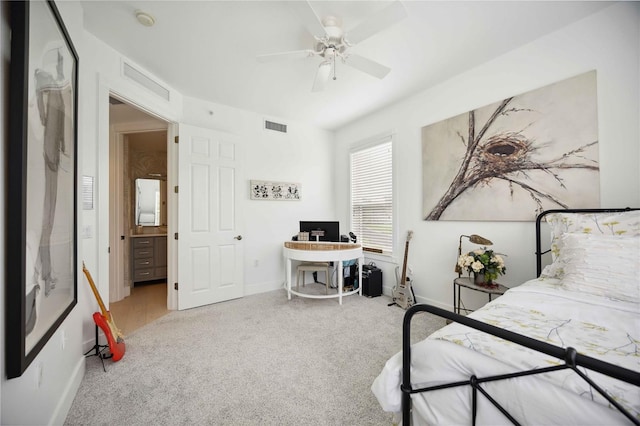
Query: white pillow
(618, 224)
(602, 265)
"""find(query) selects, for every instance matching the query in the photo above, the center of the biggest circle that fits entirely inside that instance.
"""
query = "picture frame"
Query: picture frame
(278, 191)
(514, 158)
(41, 245)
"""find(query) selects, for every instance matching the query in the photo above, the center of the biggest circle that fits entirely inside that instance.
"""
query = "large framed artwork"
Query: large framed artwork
(515, 158)
(41, 278)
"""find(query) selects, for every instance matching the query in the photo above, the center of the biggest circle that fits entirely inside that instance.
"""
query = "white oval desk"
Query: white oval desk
(311, 251)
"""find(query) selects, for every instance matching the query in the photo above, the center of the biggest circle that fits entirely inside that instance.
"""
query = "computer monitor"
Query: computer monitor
(326, 230)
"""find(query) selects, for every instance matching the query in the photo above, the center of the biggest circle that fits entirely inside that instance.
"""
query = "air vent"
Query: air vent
(270, 125)
(145, 81)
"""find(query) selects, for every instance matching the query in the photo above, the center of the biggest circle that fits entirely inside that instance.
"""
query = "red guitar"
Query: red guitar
(104, 320)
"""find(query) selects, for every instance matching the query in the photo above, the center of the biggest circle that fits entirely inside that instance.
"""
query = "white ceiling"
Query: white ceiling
(208, 49)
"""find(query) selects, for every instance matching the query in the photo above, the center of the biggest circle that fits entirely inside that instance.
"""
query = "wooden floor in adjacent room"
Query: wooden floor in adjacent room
(146, 303)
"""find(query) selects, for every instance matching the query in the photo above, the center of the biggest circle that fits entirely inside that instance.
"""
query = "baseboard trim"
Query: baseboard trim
(64, 404)
(427, 301)
(265, 287)
(388, 291)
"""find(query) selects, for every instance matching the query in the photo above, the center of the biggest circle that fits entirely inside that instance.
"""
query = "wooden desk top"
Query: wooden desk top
(319, 245)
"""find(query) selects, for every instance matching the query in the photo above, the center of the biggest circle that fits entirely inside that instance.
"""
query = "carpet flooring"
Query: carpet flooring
(258, 360)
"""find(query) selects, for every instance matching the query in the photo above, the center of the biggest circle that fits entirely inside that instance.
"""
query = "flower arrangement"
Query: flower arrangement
(483, 261)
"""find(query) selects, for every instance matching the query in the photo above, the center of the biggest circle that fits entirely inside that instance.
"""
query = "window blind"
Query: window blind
(371, 196)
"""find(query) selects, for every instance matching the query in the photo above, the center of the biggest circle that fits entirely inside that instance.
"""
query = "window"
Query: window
(372, 197)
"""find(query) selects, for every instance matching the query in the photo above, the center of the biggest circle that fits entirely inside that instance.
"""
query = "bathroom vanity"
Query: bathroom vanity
(148, 257)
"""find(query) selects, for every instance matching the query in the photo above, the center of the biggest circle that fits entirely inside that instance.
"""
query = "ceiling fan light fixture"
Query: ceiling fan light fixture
(145, 19)
(333, 31)
(331, 40)
(331, 21)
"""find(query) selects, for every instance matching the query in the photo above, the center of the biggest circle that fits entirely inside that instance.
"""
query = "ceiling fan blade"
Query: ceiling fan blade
(376, 23)
(312, 23)
(322, 76)
(367, 65)
(294, 54)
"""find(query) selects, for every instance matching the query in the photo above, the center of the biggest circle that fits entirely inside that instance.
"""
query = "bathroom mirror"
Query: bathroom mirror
(150, 208)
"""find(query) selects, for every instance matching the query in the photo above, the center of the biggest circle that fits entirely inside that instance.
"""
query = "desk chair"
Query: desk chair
(305, 267)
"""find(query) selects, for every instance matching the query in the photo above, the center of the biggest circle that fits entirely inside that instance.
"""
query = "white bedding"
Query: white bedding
(595, 326)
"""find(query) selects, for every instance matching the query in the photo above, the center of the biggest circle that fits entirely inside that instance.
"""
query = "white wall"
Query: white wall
(608, 42)
(303, 155)
(100, 73)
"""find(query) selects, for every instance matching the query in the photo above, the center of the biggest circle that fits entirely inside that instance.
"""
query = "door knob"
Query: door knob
(239, 237)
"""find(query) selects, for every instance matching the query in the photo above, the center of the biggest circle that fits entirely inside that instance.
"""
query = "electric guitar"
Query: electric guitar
(104, 320)
(402, 292)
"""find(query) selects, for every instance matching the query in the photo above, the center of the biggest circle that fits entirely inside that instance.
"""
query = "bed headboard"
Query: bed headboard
(541, 217)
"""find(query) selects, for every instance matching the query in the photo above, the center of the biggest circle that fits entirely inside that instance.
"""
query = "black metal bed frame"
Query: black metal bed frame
(572, 359)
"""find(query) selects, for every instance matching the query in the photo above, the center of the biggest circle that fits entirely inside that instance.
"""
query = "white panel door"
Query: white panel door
(209, 238)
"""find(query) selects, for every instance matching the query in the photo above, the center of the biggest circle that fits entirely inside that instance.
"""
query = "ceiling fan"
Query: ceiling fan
(333, 43)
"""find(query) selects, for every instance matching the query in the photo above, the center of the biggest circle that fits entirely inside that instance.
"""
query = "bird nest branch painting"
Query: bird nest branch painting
(515, 158)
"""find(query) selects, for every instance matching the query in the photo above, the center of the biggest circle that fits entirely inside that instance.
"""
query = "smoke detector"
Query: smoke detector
(145, 19)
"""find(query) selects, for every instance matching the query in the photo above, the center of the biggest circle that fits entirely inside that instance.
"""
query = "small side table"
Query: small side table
(467, 282)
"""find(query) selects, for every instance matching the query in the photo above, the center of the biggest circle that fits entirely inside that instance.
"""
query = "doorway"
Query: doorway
(200, 158)
(138, 215)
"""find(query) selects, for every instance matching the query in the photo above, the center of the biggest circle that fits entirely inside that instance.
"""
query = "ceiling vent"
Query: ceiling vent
(270, 125)
(145, 81)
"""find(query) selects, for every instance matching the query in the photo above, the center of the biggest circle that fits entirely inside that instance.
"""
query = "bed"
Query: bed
(559, 349)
